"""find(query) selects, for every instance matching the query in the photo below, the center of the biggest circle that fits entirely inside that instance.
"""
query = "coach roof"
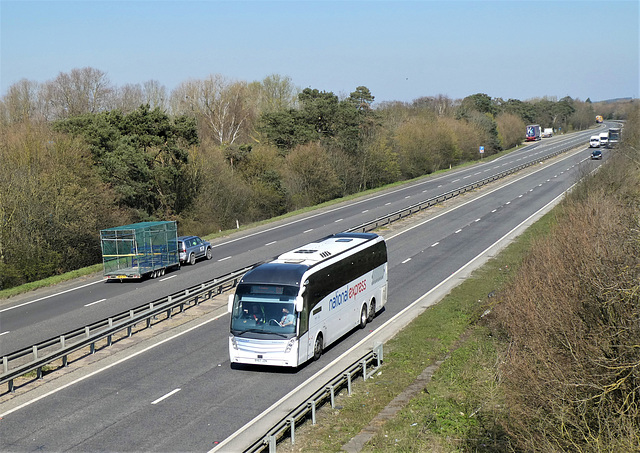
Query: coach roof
(288, 268)
(325, 248)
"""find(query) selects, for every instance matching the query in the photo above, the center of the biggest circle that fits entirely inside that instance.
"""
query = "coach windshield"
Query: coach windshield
(264, 309)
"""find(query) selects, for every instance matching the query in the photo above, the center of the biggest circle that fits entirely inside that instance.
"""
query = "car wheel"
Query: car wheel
(209, 254)
(318, 347)
(192, 259)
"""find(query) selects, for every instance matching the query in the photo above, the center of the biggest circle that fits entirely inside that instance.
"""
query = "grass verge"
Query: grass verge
(54, 280)
(460, 408)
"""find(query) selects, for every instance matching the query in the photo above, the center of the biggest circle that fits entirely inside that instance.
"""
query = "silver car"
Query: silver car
(190, 248)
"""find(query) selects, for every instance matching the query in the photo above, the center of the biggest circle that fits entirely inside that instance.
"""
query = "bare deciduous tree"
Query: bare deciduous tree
(274, 92)
(127, 98)
(155, 94)
(221, 106)
(85, 90)
(21, 102)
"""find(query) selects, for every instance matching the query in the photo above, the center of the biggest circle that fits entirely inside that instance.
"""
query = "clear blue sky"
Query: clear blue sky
(400, 50)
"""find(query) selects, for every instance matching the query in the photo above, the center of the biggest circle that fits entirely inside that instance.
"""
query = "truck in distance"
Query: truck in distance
(547, 132)
(533, 133)
(614, 137)
(145, 249)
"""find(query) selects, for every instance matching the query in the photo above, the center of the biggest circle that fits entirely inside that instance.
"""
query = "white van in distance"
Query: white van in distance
(594, 142)
(604, 139)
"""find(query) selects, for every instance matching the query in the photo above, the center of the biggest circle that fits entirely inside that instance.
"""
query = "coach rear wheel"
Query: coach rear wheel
(363, 316)
(372, 311)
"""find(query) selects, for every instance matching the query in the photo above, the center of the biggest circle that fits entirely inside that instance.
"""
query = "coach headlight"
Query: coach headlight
(234, 343)
(290, 345)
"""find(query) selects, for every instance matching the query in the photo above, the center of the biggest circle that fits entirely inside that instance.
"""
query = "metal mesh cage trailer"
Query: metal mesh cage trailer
(140, 249)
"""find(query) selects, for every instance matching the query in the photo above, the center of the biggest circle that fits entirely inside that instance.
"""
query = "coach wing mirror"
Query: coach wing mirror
(299, 303)
(230, 303)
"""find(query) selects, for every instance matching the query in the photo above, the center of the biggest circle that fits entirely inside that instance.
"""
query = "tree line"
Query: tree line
(80, 154)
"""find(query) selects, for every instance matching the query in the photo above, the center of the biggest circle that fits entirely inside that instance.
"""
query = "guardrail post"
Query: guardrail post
(65, 361)
(34, 350)
(333, 397)
(86, 331)
(12, 389)
(130, 328)
(61, 341)
(377, 350)
(292, 423)
(39, 372)
(348, 376)
(109, 337)
(364, 369)
(313, 411)
(5, 364)
(92, 348)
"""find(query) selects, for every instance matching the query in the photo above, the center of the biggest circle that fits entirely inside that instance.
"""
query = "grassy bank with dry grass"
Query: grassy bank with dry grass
(541, 345)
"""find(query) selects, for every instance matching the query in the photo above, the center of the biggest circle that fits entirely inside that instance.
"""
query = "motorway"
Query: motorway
(182, 394)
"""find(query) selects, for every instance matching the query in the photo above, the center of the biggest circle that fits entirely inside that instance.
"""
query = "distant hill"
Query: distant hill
(611, 101)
